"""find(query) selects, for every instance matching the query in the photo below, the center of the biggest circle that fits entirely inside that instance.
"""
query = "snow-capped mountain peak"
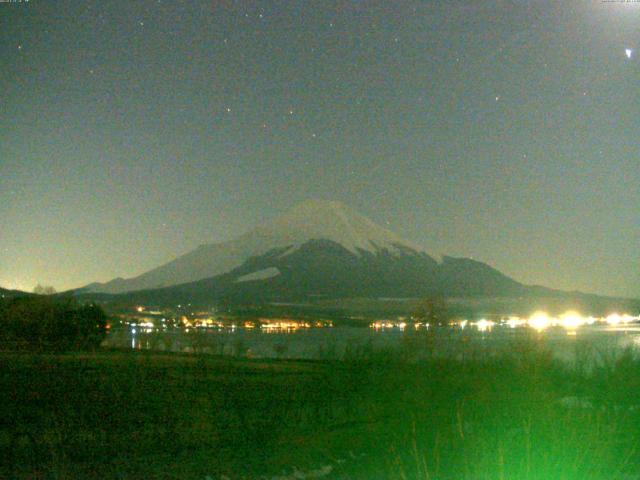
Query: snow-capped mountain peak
(329, 220)
(308, 221)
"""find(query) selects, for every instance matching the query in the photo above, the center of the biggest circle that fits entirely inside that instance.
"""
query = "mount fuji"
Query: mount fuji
(318, 248)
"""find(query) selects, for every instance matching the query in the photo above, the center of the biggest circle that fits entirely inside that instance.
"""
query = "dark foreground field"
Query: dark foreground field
(375, 415)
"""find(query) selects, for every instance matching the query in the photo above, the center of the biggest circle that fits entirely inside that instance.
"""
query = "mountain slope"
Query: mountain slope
(311, 220)
(5, 293)
(325, 269)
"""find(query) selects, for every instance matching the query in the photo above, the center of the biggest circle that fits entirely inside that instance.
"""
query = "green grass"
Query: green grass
(374, 415)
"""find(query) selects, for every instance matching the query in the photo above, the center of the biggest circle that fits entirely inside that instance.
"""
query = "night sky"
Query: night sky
(131, 132)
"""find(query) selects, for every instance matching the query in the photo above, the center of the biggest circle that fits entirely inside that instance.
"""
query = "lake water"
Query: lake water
(343, 341)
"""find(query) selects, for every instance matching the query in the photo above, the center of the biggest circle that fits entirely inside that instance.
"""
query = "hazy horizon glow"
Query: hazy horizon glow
(134, 131)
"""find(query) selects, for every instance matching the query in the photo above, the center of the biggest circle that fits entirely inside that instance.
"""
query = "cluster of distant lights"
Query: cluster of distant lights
(539, 321)
(265, 325)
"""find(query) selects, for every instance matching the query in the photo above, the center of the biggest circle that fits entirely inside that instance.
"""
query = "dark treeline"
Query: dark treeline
(47, 323)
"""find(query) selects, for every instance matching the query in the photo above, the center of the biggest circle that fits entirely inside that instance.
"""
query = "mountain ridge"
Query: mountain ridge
(310, 220)
(325, 269)
(315, 250)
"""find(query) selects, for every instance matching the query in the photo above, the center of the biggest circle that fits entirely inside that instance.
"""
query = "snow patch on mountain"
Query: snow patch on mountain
(259, 275)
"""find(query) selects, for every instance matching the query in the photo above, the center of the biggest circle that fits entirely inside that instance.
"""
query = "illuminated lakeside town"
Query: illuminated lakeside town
(148, 320)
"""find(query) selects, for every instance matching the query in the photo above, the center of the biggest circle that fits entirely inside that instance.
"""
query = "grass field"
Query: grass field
(517, 415)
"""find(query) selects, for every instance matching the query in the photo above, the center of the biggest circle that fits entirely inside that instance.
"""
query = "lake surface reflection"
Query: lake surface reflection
(588, 341)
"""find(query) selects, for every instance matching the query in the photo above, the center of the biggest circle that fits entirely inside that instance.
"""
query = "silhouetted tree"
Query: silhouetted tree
(432, 310)
(43, 322)
(44, 289)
